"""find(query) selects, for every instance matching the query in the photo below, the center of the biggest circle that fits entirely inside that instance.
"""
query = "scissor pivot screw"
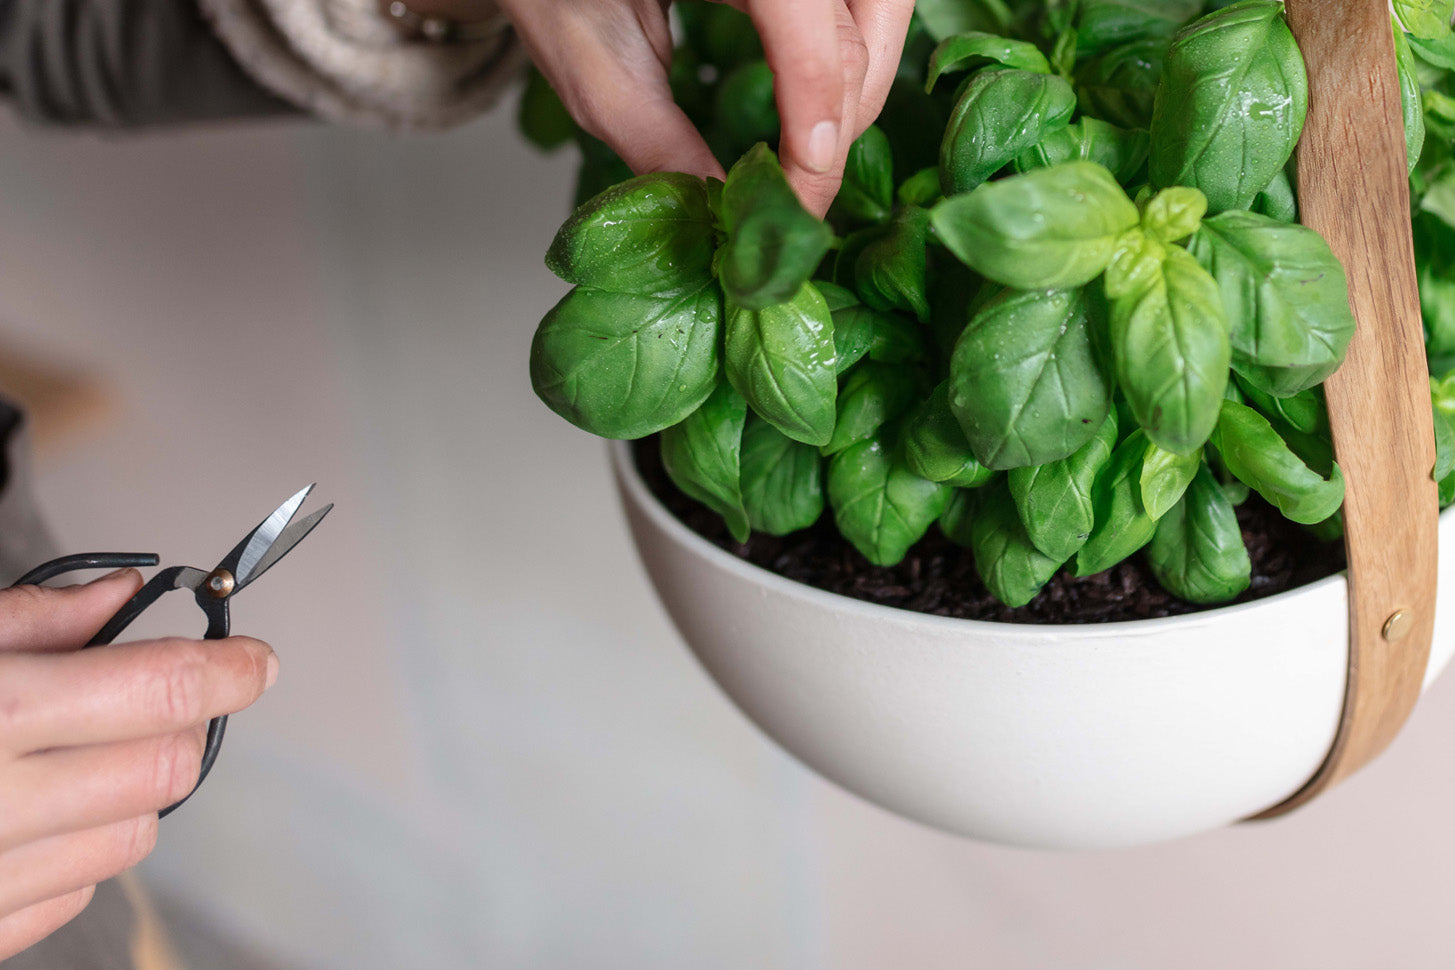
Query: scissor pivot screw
(220, 584)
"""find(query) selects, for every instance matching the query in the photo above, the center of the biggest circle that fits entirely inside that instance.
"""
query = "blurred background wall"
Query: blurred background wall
(487, 747)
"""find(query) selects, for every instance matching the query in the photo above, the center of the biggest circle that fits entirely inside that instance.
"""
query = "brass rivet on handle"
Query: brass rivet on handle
(220, 584)
(1397, 626)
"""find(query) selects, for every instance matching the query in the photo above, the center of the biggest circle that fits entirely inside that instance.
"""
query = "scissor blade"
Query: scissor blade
(284, 544)
(261, 539)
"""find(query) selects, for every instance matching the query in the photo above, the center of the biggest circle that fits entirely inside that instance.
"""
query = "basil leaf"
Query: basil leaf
(1000, 114)
(1169, 338)
(935, 448)
(1009, 563)
(921, 189)
(868, 189)
(1411, 102)
(781, 358)
(782, 480)
(541, 117)
(773, 244)
(621, 365)
(1197, 552)
(1424, 18)
(651, 235)
(946, 18)
(872, 395)
(1052, 228)
(1260, 458)
(1304, 412)
(890, 271)
(1024, 381)
(1118, 150)
(1121, 84)
(861, 331)
(1174, 214)
(1444, 446)
(977, 48)
(724, 36)
(1230, 106)
(1109, 23)
(1165, 477)
(746, 111)
(1286, 296)
(1122, 523)
(879, 505)
(1277, 201)
(1054, 500)
(701, 454)
(955, 521)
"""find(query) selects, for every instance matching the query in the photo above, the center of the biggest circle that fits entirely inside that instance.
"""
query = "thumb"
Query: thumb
(40, 619)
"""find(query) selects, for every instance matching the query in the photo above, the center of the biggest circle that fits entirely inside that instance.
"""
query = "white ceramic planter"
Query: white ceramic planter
(1050, 736)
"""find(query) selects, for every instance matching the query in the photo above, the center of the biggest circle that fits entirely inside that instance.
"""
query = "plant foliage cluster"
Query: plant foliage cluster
(1062, 307)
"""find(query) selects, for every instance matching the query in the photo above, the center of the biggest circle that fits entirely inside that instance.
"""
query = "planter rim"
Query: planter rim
(623, 463)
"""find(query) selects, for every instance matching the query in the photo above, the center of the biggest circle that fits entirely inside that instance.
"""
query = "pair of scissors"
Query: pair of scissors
(213, 589)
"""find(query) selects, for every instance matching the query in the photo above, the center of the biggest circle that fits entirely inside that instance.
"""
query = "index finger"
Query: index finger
(127, 691)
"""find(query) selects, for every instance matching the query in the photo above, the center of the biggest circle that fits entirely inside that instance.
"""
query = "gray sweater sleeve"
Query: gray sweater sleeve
(121, 62)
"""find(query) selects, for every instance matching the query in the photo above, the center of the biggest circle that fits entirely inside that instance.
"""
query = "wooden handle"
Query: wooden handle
(1353, 188)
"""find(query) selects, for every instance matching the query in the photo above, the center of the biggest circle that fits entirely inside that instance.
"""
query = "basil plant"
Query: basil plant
(1061, 309)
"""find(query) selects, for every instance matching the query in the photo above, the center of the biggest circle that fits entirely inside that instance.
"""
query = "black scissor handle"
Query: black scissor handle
(163, 582)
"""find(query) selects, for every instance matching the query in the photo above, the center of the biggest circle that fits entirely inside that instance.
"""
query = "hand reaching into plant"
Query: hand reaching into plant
(833, 62)
(94, 743)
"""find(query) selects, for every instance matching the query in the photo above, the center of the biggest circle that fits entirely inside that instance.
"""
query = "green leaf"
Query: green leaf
(1444, 447)
(1165, 477)
(873, 394)
(977, 48)
(746, 110)
(1054, 500)
(1411, 101)
(1051, 228)
(1285, 295)
(868, 189)
(861, 331)
(625, 366)
(1122, 523)
(935, 448)
(1108, 23)
(1174, 214)
(1001, 113)
(651, 235)
(1197, 552)
(1009, 563)
(1256, 454)
(921, 189)
(946, 18)
(542, 118)
(723, 36)
(1424, 18)
(1120, 151)
(890, 271)
(1304, 412)
(781, 358)
(1230, 105)
(1277, 201)
(1169, 338)
(773, 243)
(782, 480)
(1120, 85)
(879, 505)
(1024, 381)
(702, 456)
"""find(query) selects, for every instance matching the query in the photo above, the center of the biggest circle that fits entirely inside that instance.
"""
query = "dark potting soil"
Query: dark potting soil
(939, 577)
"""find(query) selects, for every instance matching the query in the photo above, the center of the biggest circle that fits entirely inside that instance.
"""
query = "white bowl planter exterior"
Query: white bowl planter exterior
(1071, 736)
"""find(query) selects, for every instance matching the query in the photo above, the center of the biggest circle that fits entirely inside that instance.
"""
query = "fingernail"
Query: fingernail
(272, 675)
(823, 145)
(116, 576)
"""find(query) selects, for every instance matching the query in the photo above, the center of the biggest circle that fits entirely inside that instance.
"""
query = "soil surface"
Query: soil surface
(939, 577)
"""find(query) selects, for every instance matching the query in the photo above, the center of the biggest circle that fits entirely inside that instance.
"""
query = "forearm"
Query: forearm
(121, 63)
